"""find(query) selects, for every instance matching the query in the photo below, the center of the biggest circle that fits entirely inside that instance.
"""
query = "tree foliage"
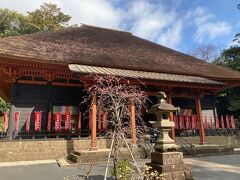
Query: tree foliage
(47, 18)
(228, 102)
(3, 106)
(13, 23)
(231, 58)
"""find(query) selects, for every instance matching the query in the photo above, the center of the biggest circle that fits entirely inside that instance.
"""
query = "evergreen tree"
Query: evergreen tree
(47, 18)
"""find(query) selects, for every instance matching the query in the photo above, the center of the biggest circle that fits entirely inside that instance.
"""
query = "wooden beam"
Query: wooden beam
(133, 121)
(66, 84)
(31, 82)
(94, 124)
(200, 120)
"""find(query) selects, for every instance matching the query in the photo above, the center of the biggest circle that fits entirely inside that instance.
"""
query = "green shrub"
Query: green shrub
(124, 170)
(3, 106)
(1, 123)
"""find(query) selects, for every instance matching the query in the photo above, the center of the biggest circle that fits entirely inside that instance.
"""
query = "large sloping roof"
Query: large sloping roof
(96, 46)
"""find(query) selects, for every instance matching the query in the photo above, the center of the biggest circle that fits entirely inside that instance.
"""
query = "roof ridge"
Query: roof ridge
(104, 28)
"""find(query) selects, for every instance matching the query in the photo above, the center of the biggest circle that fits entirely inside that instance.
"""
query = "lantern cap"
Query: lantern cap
(162, 105)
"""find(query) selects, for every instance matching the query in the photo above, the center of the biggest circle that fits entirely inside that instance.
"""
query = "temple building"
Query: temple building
(45, 72)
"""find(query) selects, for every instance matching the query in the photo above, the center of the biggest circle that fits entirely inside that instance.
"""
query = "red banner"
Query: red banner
(58, 117)
(205, 124)
(49, 121)
(217, 123)
(79, 121)
(222, 122)
(227, 122)
(211, 122)
(67, 121)
(194, 122)
(16, 120)
(232, 122)
(181, 122)
(5, 119)
(28, 121)
(175, 119)
(187, 119)
(37, 119)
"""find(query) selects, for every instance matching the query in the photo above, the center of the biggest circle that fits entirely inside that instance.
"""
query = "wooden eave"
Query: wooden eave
(13, 69)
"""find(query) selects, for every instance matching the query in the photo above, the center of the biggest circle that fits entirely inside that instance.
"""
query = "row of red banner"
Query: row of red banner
(57, 119)
(190, 122)
(181, 122)
(37, 120)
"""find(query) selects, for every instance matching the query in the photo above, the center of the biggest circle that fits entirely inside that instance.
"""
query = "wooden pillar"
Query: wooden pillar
(94, 124)
(133, 121)
(172, 132)
(200, 120)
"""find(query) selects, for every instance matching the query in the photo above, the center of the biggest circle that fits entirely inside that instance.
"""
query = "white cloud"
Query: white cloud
(147, 19)
(172, 36)
(25, 5)
(95, 12)
(212, 30)
(155, 23)
(206, 25)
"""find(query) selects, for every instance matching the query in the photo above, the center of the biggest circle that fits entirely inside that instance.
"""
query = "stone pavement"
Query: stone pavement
(216, 167)
(204, 168)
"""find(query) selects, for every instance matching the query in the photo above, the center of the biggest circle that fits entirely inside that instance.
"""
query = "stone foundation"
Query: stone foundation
(171, 165)
(233, 141)
(43, 149)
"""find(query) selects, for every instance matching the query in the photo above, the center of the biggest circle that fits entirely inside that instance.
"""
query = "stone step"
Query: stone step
(211, 149)
(89, 157)
(98, 156)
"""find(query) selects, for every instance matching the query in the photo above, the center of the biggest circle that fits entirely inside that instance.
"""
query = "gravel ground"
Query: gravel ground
(204, 168)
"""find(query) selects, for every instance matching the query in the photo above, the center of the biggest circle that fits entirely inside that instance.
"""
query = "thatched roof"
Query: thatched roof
(96, 46)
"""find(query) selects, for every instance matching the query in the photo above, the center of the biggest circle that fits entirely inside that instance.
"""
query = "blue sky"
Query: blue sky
(178, 24)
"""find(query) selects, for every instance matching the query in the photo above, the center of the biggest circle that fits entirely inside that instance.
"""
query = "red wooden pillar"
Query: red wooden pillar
(133, 121)
(200, 120)
(172, 132)
(94, 124)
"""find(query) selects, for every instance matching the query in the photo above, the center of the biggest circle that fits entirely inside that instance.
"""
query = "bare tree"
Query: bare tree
(114, 96)
(206, 52)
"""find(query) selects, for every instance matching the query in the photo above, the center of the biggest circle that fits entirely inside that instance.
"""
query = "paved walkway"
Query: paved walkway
(216, 167)
(204, 168)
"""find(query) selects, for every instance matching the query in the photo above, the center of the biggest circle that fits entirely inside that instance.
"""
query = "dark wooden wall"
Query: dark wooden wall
(207, 102)
(26, 97)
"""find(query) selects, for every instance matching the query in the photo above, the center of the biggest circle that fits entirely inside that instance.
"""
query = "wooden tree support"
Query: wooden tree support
(133, 122)
(200, 120)
(94, 124)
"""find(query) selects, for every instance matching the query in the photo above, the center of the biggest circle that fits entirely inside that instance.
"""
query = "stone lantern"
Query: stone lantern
(162, 111)
(165, 159)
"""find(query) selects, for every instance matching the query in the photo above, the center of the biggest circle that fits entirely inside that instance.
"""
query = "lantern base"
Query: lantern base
(170, 165)
(162, 147)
